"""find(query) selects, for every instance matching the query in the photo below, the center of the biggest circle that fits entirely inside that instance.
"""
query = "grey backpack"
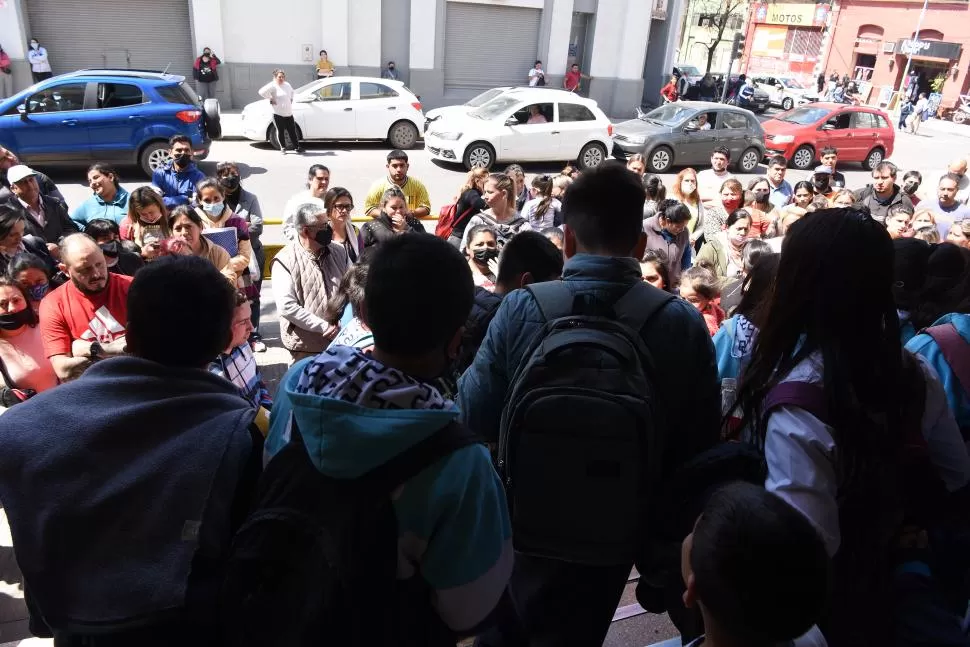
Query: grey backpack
(579, 445)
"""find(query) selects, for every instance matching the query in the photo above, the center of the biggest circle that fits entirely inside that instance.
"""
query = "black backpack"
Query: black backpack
(579, 443)
(316, 562)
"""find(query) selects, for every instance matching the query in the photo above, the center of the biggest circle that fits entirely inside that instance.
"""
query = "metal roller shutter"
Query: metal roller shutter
(488, 46)
(135, 34)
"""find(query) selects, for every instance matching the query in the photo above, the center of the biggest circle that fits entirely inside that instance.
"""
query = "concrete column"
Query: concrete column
(558, 43)
(13, 37)
(365, 37)
(426, 28)
(335, 30)
(617, 61)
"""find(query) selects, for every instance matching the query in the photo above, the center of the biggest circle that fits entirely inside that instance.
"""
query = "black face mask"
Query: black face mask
(910, 187)
(485, 255)
(324, 237)
(231, 182)
(821, 185)
(111, 249)
(182, 160)
(16, 320)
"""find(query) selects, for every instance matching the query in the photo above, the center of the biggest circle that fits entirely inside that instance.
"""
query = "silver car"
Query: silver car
(683, 133)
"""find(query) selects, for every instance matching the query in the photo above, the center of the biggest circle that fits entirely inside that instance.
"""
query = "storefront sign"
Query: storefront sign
(933, 49)
(796, 15)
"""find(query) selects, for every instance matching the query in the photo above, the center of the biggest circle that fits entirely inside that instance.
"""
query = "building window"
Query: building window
(734, 22)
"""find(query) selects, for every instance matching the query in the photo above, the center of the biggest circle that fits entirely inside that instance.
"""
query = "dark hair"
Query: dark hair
(722, 150)
(654, 186)
(178, 139)
(480, 228)
(323, 51)
(804, 184)
(910, 258)
(674, 211)
(406, 318)
(736, 215)
(33, 319)
(241, 298)
(889, 167)
(899, 207)
(828, 150)
(312, 173)
(352, 291)
(757, 285)
(754, 248)
(102, 228)
(515, 169)
(915, 174)
(188, 212)
(25, 261)
(777, 160)
(537, 63)
(532, 252)
(10, 214)
(104, 169)
(702, 280)
(226, 166)
(945, 286)
(396, 154)
(209, 183)
(604, 208)
(543, 185)
(333, 195)
(759, 566)
(143, 197)
(659, 259)
(180, 293)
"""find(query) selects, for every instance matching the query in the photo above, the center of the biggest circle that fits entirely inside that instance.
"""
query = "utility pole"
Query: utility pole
(737, 49)
(909, 57)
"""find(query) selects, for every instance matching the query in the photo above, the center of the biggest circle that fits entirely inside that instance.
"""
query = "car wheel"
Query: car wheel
(591, 156)
(803, 158)
(274, 136)
(402, 135)
(959, 117)
(479, 155)
(749, 160)
(153, 156)
(661, 159)
(873, 159)
(787, 103)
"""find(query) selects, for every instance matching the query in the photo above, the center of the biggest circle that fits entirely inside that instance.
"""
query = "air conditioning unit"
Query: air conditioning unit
(888, 47)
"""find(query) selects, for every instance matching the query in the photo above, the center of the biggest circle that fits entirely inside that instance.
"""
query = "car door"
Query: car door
(378, 107)
(328, 112)
(577, 127)
(115, 124)
(864, 130)
(527, 142)
(835, 131)
(694, 146)
(732, 132)
(52, 128)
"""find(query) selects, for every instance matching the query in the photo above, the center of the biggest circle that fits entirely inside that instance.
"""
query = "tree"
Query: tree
(719, 22)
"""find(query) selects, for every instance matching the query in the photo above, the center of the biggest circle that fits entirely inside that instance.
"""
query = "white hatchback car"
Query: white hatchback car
(786, 92)
(524, 125)
(344, 108)
(476, 102)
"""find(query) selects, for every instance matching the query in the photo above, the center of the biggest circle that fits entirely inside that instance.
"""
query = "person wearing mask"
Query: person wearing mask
(725, 251)
(147, 223)
(911, 183)
(33, 274)
(13, 225)
(176, 178)
(517, 173)
(7, 161)
(731, 198)
(324, 65)
(684, 190)
(107, 235)
(206, 74)
(6, 75)
(899, 219)
(667, 231)
(883, 192)
(187, 240)
(390, 72)
(947, 208)
(482, 255)
(246, 205)
(214, 213)
(107, 200)
(279, 93)
(604, 241)
(24, 366)
(305, 275)
(501, 214)
(47, 217)
(40, 65)
(419, 204)
(829, 156)
(536, 77)
(85, 319)
(780, 189)
(199, 471)
(542, 209)
(393, 221)
(469, 202)
(317, 183)
(822, 182)
(759, 206)
(340, 207)
(709, 181)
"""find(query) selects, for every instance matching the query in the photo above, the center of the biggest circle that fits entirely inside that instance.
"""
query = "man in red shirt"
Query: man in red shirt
(84, 320)
(573, 79)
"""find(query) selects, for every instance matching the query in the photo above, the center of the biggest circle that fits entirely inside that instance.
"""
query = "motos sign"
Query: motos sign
(798, 15)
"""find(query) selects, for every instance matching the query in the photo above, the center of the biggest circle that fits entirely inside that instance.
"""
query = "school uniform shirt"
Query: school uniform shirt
(67, 314)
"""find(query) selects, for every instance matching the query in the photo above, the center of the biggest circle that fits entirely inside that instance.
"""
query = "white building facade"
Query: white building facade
(445, 50)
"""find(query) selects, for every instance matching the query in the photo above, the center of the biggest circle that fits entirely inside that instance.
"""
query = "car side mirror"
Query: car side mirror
(511, 121)
(692, 126)
(22, 109)
(828, 127)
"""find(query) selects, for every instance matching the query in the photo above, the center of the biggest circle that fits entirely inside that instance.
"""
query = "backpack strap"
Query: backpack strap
(807, 396)
(634, 308)
(955, 349)
(450, 438)
(554, 299)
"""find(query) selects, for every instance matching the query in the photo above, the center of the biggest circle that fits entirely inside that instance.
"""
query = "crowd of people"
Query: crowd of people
(755, 394)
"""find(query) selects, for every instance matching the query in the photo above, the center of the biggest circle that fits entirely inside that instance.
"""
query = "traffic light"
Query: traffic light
(738, 45)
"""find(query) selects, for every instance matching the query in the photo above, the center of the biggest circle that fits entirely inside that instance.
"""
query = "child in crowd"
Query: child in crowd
(700, 287)
(542, 210)
(755, 567)
(353, 331)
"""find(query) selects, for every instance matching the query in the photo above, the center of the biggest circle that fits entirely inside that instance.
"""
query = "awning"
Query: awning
(932, 59)
(929, 50)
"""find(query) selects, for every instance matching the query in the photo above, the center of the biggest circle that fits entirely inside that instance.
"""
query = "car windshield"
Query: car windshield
(791, 84)
(494, 108)
(805, 115)
(670, 114)
(309, 87)
(484, 98)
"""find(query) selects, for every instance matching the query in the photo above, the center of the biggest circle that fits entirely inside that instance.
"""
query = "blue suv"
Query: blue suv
(114, 116)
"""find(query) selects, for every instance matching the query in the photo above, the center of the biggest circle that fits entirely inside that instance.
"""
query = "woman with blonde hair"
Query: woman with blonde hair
(843, 198)
(501, 215)
(684, 189)
(468, 203)
(147, 221)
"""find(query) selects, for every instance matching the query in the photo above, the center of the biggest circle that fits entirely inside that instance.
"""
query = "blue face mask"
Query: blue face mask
(214, 210)
(38, 292)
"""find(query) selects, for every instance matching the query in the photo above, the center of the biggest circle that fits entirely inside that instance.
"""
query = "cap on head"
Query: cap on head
(19, 172)
(823, 169)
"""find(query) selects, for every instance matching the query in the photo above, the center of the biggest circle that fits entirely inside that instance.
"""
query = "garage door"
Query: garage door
(488, 46)
(127, 34)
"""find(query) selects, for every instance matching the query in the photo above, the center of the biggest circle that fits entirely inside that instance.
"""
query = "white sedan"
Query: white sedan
(524, 125)
(785, 92)
(344, 108)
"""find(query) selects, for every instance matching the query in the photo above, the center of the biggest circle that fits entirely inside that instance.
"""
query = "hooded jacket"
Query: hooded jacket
(177, 187)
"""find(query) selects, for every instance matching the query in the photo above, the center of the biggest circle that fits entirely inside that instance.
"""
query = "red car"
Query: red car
(861, 134)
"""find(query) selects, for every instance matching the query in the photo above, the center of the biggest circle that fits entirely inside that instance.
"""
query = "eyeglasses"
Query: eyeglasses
(343, 206)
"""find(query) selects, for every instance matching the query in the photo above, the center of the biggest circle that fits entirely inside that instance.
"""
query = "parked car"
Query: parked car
(786, 92)
(524, 125)
(694, 75)
(115, 116)
(344, 108)
(861, 134)
(463, 109)
(674, 135)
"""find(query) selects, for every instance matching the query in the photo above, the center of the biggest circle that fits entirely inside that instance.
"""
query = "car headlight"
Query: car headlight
(447, 136)
(635, 139)
(783, 139)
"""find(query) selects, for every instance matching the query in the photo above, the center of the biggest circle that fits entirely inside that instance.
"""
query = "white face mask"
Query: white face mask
(214, 209)
(686, 188)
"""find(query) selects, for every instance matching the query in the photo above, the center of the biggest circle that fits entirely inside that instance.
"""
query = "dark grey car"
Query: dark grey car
(675, 134)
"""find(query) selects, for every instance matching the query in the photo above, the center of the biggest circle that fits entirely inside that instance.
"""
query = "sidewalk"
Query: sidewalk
(942, 127)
